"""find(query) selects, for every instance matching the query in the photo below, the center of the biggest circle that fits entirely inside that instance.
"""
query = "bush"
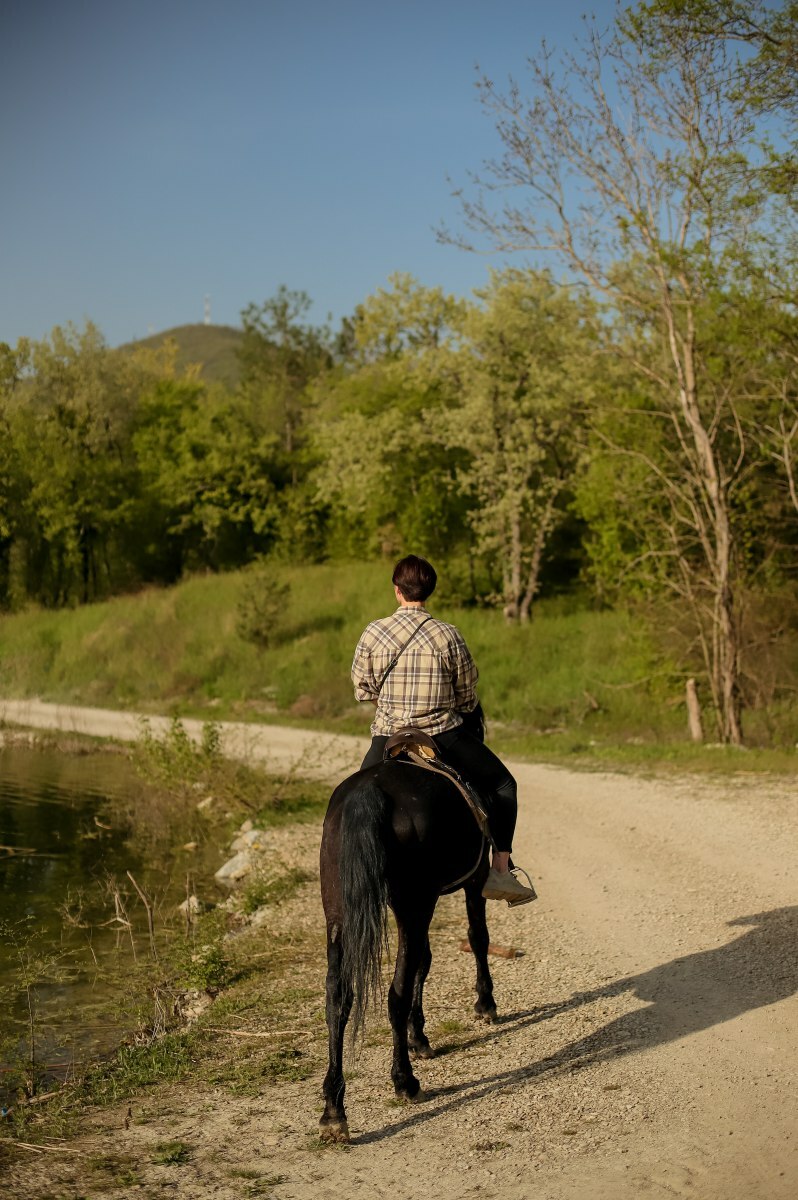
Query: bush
(261, 605)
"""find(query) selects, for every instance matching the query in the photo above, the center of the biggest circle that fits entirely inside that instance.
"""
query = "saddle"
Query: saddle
(417, 747)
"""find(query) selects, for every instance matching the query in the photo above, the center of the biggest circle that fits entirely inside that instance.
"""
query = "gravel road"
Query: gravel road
(647, 1042)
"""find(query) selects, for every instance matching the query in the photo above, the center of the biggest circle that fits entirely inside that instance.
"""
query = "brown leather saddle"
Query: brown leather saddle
(416, 746)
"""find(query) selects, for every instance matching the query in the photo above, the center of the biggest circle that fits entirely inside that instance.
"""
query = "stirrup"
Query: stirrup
(523, 899)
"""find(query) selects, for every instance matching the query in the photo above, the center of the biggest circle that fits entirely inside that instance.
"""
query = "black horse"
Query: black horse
(400, 836)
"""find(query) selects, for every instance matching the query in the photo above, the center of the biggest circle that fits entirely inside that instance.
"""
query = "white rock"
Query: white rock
(206, 803)
(251, 839)
(191, 905)
(235, 870)
(191, 1004)
(245, 826)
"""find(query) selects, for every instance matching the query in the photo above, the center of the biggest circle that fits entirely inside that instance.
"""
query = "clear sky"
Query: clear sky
(153, 152)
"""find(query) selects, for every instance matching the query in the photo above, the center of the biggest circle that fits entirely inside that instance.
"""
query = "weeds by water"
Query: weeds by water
(272, 888)
(169, 955)
(35, 965)
(197, 778)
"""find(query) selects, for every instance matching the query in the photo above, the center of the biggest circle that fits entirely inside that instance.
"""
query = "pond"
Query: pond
(66, 848)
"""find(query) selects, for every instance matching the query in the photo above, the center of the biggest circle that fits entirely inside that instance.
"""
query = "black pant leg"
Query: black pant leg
(375, 752)
(480, 766)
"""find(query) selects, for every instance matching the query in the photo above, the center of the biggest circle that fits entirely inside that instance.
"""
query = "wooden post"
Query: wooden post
(694, 712)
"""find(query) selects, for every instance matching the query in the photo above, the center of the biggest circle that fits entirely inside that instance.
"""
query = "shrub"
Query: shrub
(261, 604)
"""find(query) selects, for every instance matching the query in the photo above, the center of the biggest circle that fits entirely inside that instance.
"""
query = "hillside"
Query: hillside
(572, 684)
(213, 347)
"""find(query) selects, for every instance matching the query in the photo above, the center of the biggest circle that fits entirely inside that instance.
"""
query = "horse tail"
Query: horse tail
(364, 891)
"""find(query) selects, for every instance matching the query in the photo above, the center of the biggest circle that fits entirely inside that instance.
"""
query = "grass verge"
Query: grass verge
(582, 687)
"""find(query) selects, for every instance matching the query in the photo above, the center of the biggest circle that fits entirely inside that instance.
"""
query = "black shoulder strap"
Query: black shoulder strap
(399, 654)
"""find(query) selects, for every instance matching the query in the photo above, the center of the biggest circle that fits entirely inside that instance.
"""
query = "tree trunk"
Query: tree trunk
(713, 524)
(533, 578)
(694, 712)
(512, 574)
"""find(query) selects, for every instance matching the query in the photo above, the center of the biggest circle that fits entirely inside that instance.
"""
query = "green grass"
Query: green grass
(171, 1154)
(575, 685)
(272, 890)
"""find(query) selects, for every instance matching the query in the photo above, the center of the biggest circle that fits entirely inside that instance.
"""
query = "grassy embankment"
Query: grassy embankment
(262, 967)
(574, 684)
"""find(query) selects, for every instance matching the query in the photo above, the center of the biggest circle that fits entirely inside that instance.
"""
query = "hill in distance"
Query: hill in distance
(213, 347)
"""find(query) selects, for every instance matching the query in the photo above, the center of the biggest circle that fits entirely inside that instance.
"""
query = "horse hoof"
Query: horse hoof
(422, 1052)
(416, 1098)
(334, 1131)
(488, 1015)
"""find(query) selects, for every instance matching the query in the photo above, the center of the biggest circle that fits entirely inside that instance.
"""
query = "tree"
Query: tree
(522, 377)
(636, 162)
(207, 480)
(280, 355)
(69, 414)
(381, 464)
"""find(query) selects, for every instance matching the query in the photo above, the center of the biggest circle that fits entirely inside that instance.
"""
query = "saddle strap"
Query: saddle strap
(400, 652)
(466, 791)
(451, 887)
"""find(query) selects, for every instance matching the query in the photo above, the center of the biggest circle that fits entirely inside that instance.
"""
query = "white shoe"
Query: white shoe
(503, 885)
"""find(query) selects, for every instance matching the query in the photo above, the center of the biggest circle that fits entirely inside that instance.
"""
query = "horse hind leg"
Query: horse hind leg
(417, 1040)
(333, 1125)
(412, 937)
(485, 1006)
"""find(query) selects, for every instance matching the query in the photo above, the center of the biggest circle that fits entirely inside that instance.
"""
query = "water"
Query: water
(62, 839)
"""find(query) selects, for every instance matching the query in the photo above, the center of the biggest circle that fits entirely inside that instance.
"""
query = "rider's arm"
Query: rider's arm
(363, 673)
(464, 677)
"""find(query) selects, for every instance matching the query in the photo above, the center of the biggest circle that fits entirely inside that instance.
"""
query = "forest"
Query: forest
(612, 417)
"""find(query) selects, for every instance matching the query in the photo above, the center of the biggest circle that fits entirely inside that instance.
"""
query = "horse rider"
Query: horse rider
(418, 671)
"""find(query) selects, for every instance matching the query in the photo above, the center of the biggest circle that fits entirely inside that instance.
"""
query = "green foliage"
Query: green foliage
(261, 606)
(67, 422)
(281, 354)
(174, 759)
(183, 769)
(208, 475)
(200, 960)
(527, 378)
(641, 160)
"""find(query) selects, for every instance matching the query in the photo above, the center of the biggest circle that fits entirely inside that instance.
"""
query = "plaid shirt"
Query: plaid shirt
(433, 681)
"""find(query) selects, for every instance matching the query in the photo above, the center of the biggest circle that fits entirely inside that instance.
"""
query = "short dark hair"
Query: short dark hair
(415, 577)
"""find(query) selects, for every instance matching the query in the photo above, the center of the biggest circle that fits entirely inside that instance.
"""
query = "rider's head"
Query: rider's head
(414, 577)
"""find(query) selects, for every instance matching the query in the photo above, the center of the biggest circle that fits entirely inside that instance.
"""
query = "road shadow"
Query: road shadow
(684, 996)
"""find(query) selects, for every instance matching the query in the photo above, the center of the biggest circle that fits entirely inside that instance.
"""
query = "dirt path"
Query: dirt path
(647, 1046)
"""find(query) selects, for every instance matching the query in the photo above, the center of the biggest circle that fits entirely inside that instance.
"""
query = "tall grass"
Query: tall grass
(572, 679)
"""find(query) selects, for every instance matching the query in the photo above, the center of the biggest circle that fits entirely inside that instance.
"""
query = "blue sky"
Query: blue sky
(155, 152)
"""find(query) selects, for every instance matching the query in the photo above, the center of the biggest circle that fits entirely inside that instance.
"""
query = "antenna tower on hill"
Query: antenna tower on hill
(207, 310)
